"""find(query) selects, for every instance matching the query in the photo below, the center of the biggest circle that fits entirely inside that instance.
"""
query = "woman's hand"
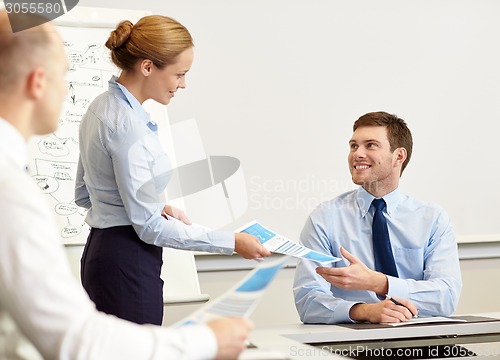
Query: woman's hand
(249, 247)
(175, 213)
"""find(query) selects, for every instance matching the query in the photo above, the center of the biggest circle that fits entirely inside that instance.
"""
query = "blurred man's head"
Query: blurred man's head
(32, 69)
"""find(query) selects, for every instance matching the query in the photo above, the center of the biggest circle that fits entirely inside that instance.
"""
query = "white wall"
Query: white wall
(279, 83)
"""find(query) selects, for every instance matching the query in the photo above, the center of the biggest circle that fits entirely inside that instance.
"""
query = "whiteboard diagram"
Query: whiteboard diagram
(54, 157)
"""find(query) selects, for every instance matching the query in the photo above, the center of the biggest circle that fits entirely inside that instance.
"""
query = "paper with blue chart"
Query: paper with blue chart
(242, 299)
(281, 245)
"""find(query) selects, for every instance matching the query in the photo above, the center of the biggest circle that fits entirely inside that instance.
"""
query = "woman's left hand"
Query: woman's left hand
(175, 213)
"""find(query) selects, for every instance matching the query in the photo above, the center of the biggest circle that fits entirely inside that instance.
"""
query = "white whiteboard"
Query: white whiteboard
(278, 84)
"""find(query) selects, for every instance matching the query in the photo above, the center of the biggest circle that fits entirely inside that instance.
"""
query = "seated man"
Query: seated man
(413, 257)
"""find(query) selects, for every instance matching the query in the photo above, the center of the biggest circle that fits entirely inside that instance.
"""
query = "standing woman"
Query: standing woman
(123, 170)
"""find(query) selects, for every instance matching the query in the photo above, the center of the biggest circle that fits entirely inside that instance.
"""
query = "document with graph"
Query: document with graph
(281, 245)
(242, 299)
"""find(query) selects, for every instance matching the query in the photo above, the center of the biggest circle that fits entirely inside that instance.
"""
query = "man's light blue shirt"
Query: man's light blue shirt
(123, 172)
(422, 240)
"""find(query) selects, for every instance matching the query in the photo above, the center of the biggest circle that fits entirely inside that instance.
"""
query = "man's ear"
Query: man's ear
(401, 155)
(146, 67)
(36, 83)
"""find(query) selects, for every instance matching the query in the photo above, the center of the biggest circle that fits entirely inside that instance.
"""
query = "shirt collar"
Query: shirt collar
(364, 200)
(122, 92)
(12, 144)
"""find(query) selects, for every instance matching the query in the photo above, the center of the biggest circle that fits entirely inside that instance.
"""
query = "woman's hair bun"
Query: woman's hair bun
(120, 35)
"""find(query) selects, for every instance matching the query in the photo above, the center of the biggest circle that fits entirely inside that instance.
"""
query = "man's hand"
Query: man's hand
(383, 312)
(249, 247)
(356, 276)
(231, 335)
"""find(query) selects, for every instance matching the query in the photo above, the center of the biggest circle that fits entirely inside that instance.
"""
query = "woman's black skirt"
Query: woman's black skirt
(121, 274)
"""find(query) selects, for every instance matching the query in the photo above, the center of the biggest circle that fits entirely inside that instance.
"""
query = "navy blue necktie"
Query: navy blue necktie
(384, 260)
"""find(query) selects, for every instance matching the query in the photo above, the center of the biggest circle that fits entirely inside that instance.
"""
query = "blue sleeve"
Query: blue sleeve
(313, 298)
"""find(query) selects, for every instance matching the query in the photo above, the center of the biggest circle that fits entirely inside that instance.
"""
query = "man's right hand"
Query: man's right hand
(231, 335)
(383, 312)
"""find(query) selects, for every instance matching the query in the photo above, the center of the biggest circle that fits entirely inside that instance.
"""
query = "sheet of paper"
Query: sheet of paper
(240, 300)
(281, 245)
(426, 320)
